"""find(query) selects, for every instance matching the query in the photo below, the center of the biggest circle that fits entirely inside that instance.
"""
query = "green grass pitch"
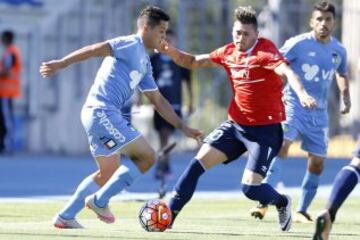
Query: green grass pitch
(201, 219)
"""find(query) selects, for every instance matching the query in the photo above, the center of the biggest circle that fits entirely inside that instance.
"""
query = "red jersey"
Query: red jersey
(257, 88)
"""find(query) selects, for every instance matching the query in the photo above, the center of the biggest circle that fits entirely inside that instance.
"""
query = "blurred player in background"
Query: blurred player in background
(126, 66)
(345, 181)
(255, 67)
(317, 58)
(10, 89)
(169, 77)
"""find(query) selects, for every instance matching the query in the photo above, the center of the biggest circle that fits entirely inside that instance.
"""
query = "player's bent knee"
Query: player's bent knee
(355, 162)
(251, 178)
(316, 168)
(146, 160)
(250, 191)
(102, 177)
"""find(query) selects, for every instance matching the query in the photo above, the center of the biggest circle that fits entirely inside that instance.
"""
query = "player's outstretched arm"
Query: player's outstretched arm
(185, 59)
(343, 84)
(306, 100)
(163, 107)
(101, 49)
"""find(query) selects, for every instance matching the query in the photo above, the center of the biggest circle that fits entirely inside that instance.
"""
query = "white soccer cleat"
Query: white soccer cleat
(285, 219)
(103, 213)
(60, 222)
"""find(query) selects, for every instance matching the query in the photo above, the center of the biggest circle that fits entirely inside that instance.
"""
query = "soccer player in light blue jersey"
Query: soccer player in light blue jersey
(126, 66)
(317, 58)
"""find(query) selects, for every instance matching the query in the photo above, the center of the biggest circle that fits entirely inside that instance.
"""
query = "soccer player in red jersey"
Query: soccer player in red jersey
(255, 67)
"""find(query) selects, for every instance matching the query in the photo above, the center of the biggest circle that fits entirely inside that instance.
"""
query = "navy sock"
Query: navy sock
(265, 194)
(344, 183)
(185, 186)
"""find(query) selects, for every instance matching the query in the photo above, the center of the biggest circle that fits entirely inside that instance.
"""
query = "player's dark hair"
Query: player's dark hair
(246, 15)
(325, 6)
(7, 37)
(152, 16)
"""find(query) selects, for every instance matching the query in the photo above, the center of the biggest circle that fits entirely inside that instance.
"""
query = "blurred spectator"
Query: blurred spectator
(10, 88)
(169, 76)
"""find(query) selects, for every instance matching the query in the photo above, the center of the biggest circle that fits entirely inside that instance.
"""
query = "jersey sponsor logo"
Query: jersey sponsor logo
(135, 77)
(242, 73)
(104, 120)
(311, 72)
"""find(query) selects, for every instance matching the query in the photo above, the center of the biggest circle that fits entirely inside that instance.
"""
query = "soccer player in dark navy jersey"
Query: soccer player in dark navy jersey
(169, 78)
(254, 67)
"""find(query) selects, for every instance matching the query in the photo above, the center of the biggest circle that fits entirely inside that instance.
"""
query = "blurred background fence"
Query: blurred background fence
(48, 114)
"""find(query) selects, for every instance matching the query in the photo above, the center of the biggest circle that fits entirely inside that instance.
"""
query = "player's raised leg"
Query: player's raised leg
(142, 158)
(184, 189)
(344, 183)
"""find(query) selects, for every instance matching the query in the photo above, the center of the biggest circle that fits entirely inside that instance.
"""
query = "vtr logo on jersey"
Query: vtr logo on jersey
(311, 72)
(242, 73)
(104, 120)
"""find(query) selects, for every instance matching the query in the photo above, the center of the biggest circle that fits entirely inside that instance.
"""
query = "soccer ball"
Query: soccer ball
(155, 216)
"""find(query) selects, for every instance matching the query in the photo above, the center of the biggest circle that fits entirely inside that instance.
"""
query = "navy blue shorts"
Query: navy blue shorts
(263, 143)
(160, 123)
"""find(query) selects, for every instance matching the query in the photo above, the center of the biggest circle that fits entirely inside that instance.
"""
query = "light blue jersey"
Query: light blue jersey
(119, 75)
(316, 64)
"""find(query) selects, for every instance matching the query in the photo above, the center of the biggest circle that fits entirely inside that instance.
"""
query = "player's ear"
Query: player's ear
(311, 21)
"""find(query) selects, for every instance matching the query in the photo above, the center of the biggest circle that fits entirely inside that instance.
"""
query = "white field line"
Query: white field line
(323, 192)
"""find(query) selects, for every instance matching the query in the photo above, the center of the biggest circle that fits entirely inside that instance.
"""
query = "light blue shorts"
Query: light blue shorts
(107, 130)
(312, 130)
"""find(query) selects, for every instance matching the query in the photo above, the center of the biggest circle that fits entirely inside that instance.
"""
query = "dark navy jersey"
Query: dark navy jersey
(168, 76)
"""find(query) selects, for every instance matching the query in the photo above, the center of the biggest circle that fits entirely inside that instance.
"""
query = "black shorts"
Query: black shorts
(262, 142)
(160, 123)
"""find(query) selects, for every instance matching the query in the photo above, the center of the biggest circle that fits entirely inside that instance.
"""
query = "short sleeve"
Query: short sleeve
(289, 50)
(271, 57)
(217, 55)
(147, 84)
(342, 69)
(121, 46)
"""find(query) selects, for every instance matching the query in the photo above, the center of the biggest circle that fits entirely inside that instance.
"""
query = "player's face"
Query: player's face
(244, 35)
(322, 23)
(155, 35)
